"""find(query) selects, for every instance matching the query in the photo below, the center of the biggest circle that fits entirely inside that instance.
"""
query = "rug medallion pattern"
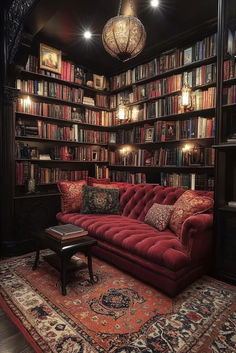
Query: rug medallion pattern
(118, 314)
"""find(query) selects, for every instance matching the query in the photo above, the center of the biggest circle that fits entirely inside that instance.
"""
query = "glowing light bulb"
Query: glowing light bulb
(87, 34)
(154, 3)
(27, 101)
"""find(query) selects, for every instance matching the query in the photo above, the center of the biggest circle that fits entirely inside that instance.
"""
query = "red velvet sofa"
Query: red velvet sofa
(159, 258)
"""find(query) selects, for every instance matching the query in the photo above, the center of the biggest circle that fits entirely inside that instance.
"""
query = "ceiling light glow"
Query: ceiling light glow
(87, 34)
(154, 3)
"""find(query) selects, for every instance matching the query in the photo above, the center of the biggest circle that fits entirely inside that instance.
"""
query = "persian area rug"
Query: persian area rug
(118, 314)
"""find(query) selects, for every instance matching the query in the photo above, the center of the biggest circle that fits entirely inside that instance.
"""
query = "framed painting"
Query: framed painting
(50, 58)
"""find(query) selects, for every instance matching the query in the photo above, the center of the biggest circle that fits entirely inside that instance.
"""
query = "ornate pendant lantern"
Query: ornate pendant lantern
(124, 36)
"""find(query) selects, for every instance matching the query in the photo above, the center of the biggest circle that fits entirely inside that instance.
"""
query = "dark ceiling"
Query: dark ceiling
(60, 23)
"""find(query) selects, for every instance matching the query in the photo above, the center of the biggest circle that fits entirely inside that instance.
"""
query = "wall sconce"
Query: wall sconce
(186, 157)
(186, 97)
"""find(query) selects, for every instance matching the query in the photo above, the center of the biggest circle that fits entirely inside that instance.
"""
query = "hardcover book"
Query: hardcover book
(65, 229)
(188, 56)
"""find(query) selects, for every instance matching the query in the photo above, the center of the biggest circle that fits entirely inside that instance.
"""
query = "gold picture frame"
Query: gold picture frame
(50, 58)
(98, 82)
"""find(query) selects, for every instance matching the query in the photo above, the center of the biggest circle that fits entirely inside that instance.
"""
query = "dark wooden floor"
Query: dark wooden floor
(11, 339)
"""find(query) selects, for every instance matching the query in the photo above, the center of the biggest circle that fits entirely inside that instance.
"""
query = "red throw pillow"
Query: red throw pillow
(92, 180)
(71, 195)
(158, 216)
(106, 186)
(188, 204)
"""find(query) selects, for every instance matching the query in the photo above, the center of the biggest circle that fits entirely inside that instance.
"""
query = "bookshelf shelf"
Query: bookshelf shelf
(61, 121)
(194, 167)
(206, 139)
(38, 139)
(60, 161)
(225, 146)
(229, 106)
(168, 73)
(62, 101)
(31, 74)
(229, 81)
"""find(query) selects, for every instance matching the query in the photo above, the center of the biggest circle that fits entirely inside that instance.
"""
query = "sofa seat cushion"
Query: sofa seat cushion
(132, 235)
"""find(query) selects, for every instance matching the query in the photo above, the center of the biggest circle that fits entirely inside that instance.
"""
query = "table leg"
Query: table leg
(63, 275)
(36, 260)
(90, 266)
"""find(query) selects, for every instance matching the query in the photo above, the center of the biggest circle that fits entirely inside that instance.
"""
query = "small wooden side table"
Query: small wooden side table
(65, 250)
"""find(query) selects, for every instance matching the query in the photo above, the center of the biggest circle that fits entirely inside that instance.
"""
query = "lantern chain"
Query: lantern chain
(130, 3)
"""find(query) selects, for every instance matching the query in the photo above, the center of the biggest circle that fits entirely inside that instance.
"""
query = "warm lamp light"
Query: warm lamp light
(135, 112)
(27, 101)
(186, 97)
(122, 113)
(186, 148)
(124, 36)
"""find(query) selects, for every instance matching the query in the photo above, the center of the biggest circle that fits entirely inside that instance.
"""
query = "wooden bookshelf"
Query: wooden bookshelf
(39, 139)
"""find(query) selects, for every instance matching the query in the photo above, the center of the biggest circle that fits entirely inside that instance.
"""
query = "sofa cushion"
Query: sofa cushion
(158, 216)
(188, 205)
(134, 236)
(71, 195)
(98, 200)
(92, 180)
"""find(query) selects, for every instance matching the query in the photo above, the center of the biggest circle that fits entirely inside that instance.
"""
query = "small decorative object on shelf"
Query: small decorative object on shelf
(31, 186)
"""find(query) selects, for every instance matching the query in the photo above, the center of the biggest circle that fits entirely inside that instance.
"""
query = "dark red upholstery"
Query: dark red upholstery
(126, 236)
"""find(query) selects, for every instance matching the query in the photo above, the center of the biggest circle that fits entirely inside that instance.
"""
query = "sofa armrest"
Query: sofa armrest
(196, 236)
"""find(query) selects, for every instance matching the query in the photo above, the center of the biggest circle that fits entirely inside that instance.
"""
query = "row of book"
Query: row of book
(198, 76)
(201, 99)
(51, 89)
(101, 171)
(69, 72)
(167, 61)
(65, 112)
(163, 131)
(41, 129)
(163, 157)
(127, 177)
(26, 170)
(191, 181)
(81, 153)
(62, 153)
(229, 69)
(198, 127)
(229, 95)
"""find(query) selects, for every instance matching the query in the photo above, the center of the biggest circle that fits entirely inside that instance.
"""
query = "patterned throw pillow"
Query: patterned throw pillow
(106, 186)
(188, 204)
(71, 195)
(101, 201)
(92, 180)
(158, 216)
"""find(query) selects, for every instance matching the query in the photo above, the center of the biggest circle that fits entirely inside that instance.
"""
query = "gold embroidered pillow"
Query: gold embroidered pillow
(158, 216)
(188, 204)
(71, 195)
(106, 186)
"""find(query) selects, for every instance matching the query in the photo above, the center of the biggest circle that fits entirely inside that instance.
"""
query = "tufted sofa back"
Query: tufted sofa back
(136, 200)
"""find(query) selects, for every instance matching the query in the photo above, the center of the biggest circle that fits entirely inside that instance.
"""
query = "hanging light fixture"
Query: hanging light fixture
(124, 36)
